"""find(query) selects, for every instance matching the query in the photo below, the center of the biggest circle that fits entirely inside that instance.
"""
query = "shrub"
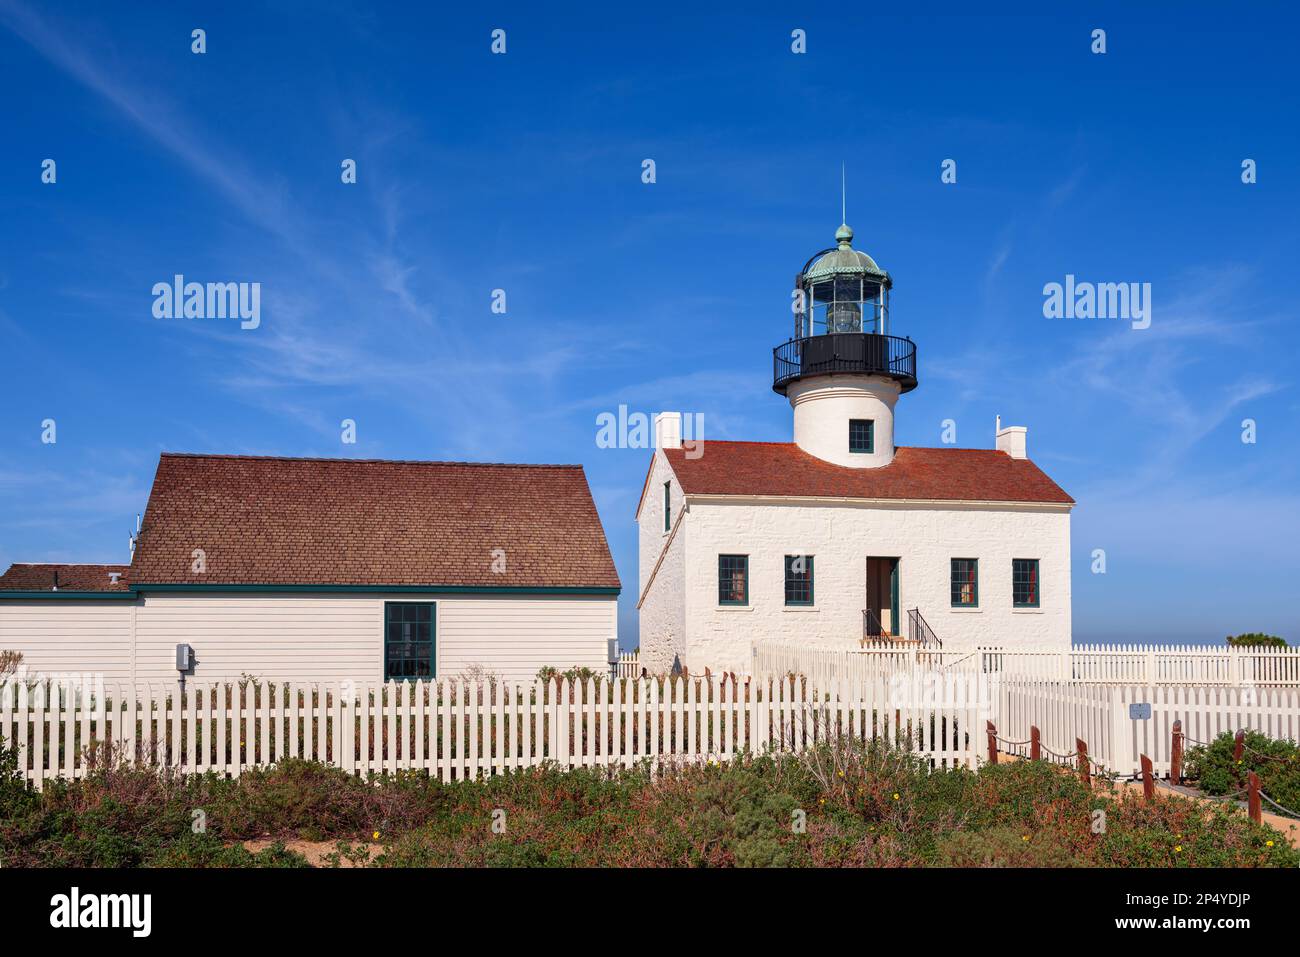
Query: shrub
(860, 805)
(1256, 639)
(548, 673)
(1276, 762)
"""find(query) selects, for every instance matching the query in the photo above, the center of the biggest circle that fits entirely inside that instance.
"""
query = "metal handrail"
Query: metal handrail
(919, 630)
(871, 626)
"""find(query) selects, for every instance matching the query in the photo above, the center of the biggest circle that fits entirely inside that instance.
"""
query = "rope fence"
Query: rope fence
(1252, 792)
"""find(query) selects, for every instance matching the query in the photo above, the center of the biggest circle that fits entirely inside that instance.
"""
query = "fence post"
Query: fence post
(993, 743)
(1085, 768)
(1238, 743)
(1120, 756)
(1176, 754)
(1148, 781)
(1252, 797)
(1035, 747)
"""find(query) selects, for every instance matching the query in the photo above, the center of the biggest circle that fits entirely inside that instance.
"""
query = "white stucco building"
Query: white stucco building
(841, 535)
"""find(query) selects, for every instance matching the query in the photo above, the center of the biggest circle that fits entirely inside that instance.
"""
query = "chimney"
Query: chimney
(1012, 440)
(113, 577)
(668, 430)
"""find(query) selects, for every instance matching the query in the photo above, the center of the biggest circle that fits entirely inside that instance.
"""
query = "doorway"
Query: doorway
(881, 606)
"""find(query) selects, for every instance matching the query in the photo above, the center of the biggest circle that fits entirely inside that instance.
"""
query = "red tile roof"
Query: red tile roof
(41, 577)
(288, 521)
(783, 469)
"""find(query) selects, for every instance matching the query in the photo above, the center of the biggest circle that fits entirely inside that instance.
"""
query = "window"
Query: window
(733, 579)
(408, 640)
(965, 583)
(862, 435)
(798, 579)
(668, 506)
(1024, 582)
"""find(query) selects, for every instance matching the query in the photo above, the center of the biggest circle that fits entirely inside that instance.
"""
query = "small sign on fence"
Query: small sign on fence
(1139, 710)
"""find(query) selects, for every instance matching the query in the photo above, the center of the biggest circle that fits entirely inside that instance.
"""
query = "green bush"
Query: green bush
(548, 673)
(844, 805)
(1276, 762)
(1255, 639)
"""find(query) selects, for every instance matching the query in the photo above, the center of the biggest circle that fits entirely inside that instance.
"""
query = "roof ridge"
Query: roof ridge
(75, 564)
(323, 458)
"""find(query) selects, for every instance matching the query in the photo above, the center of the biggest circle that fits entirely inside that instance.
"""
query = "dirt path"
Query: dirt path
(314, 851)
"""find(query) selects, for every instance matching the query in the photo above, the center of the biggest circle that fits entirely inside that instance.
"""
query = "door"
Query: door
(895, 622)
(882, 593)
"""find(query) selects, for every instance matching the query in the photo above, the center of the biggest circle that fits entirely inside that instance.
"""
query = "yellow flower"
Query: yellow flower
(375, 836)
(895, 795)
(841, 774)
(1269, 843)
(1024, 837)
(821, 801)
(1178, 848)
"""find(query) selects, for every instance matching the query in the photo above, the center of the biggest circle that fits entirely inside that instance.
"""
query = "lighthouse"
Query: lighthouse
(843, 370)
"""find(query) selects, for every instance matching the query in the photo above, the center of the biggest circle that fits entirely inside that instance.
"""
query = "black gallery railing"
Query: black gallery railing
(863, 353)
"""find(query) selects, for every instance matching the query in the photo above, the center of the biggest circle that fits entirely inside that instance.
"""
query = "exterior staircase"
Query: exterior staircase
(919, 632)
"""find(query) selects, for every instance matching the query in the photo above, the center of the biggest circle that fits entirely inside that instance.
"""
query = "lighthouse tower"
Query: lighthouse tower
(843, 371)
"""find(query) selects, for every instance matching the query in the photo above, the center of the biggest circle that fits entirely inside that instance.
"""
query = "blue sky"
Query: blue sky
(523, 172)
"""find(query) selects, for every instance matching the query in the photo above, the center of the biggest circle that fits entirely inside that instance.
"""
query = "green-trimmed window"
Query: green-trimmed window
(668, 506)
(1024, 582)
(965, 582)
(862, 435)
(409, 640)
(733, 579)
(798, 579)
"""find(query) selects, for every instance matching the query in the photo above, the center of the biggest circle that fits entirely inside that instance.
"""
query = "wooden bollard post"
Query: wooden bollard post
(1176, 755)
(993, 742)
(1252, 798)
(1238, 745)
(1035, 746)
(1148, 780)
(1085, 767)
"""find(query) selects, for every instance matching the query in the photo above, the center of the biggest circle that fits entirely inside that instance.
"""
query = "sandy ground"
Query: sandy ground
(314, 851)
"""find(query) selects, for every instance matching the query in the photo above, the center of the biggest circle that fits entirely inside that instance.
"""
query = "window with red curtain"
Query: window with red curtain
(1024, 582)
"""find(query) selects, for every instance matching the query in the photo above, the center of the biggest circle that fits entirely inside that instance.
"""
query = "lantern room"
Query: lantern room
(841, 321)
(842, 290)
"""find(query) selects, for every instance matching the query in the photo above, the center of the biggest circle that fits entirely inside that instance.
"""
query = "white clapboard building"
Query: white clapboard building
(296, 569)
(840, 535)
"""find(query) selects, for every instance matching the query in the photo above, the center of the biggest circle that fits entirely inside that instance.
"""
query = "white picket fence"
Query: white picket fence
(1100, 715)
(458, 729)
(824, 664)
(1186, 665)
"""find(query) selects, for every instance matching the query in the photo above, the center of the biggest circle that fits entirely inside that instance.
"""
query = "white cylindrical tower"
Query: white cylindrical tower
(842, 371)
